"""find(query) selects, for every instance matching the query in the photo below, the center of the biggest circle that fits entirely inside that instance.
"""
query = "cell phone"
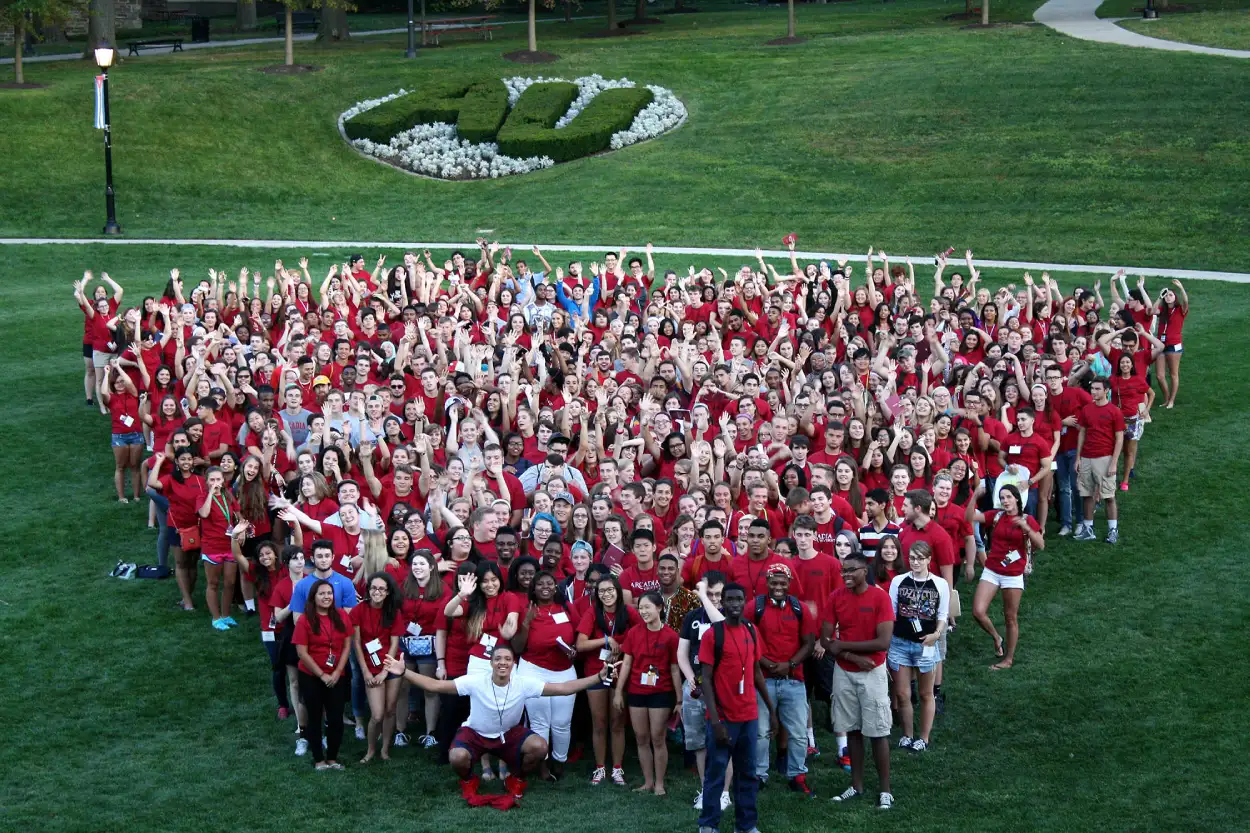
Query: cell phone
(789, 239)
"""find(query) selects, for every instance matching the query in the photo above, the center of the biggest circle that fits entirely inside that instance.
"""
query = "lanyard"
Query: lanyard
(224, 506)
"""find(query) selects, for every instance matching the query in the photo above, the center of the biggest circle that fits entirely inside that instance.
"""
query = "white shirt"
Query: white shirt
(495, 709)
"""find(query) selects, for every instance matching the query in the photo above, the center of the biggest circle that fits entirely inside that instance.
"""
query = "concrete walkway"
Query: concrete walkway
(341, 246)
(187, 45)
(1079, 19)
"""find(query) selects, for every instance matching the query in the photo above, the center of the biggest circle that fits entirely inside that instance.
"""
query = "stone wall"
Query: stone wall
(128, 20)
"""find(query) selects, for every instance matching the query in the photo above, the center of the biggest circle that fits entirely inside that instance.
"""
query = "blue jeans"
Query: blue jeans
(360, 700)
(1065, 480)
(164, 532)
(1030, 502)
(741, 748)
(790, 700)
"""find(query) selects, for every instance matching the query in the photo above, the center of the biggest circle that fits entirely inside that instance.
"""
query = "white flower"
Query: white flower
(437, 150)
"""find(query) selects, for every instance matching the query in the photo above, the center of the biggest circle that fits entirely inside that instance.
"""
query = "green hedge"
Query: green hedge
(478, 108)
(609, 112)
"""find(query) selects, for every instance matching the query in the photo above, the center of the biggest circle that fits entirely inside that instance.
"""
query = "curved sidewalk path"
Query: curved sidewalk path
(1079, 19)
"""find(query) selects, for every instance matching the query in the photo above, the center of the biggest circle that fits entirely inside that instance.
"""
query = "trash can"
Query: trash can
(199, 30)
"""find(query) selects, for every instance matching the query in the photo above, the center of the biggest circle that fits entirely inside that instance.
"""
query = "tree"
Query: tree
(791, 34)
(245, 15)
(300, 5)
(333, 25)
(33, 16)
(101, 25)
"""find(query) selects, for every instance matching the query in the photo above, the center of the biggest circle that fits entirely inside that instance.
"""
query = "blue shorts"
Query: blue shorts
(904, 653)
(1176, 349)
(131, 438)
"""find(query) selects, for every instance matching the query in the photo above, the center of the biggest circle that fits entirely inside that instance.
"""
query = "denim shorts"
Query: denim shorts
(130, 438)
(904, 653)
(693, 720)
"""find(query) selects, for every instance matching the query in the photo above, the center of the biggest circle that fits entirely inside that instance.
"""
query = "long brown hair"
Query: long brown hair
(314, 621)
(253, 496)
(433, 590)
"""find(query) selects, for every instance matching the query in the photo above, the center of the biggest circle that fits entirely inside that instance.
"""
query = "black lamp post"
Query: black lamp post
(412, 39)
(104, 55)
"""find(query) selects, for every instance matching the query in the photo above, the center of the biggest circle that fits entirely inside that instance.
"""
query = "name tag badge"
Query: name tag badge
(604, 653)
(345, 561)
(1054, 465)
(648, 677)
(331, 660)
(742, 686)
(1011, 557)
(1015, 449)
(560, 618)
(267, 636)
(488, 642)
(915, 625)
(414, 629)
(127, 420)
(373, 646)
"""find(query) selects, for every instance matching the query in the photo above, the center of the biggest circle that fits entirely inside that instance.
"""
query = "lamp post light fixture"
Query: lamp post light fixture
(104, 57)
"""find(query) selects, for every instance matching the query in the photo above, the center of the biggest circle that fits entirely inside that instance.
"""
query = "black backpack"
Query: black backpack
(718, 640)
(761, 602)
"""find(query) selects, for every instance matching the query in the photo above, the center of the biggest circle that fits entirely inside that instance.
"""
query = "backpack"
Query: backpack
(761, 602)
(718, 640)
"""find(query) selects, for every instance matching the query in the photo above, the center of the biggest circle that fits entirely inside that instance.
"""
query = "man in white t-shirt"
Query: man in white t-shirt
(497, 701)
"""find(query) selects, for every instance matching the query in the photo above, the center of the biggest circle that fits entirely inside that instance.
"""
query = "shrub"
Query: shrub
(609, 112)
(478, 108)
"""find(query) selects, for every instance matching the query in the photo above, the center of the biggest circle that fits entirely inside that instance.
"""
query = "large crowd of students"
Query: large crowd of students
(527, 508)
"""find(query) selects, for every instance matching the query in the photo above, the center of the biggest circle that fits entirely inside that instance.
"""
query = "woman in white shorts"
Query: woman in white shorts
(1015, 536)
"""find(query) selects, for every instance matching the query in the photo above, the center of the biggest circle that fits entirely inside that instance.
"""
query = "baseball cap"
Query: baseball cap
(321, 380)
(567, 497)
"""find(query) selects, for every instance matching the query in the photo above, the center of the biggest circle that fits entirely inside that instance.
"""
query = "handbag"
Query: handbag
(418, 647)
(189, 538)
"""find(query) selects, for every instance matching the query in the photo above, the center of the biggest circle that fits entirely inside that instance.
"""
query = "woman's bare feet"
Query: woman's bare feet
(998, 646)
(1001, 666)
(645, 788)
(367, 758)
(659, 790)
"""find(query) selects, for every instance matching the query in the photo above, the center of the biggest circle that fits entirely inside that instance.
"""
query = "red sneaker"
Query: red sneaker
(798, 784)
(845, 762)
(468, 787)
(516, 786)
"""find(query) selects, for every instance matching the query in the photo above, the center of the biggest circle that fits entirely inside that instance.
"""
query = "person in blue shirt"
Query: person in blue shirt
(322, 559)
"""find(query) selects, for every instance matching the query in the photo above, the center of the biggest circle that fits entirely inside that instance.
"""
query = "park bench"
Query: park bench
(136, 45)
(476, 26)
(299, 20)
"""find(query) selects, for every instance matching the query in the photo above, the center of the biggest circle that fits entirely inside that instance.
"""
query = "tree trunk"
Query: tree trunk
(101, 26)
(985, 12)
(333, 26)
(533, 26)
(640, 10)
(19, 46)
(568, 11)
(612, 15)
(678, 5)
(790, 19)
(245, 15)
(289, 41)
(968, 8)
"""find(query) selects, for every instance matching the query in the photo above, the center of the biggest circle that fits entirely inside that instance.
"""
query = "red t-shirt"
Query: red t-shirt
(941, 547)
(325, 647)
(1129, 393)
(818, 577)
(753, 575)
(653, 653)
(952, 520)
(638, 581)
(699, 565)
(215, 435)
(781, 633)
(124, 412)
(1068, 403)
(855, 618)
(734, 678)
(214, 529)
(1101, 422)
(1007, 539)
(185, 499)
(497, 611)
(375, 640)
(552, 621)
(1027, 451)
(589, 626)
(346, 547)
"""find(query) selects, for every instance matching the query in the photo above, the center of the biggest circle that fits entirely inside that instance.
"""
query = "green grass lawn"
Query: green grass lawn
(1122, 712)
(1133, 8)
(1228, 29)
(890, 123)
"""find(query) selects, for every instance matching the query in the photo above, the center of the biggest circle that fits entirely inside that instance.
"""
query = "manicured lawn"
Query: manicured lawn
(890, 124)
(1230, 29)
(1130, 8)
(1121, 713)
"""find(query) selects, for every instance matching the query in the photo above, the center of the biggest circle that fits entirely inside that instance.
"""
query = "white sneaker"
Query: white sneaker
(301, 747)
(725, 801)
(360, 731)
(400, 739)
(886, 801)
(698, 801)
(1065, 531)
(904, 742)
(428, 741)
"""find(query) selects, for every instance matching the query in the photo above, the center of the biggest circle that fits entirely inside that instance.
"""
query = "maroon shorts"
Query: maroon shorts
(507, 748)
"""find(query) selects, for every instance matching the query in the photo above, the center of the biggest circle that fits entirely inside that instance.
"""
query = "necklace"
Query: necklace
(499, 710)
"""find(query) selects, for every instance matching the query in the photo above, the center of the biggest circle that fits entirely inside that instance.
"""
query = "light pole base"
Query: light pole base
(111, 228)
(1149, 14)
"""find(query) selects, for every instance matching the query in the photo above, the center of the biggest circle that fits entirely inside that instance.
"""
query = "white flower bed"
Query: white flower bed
(437, 150)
